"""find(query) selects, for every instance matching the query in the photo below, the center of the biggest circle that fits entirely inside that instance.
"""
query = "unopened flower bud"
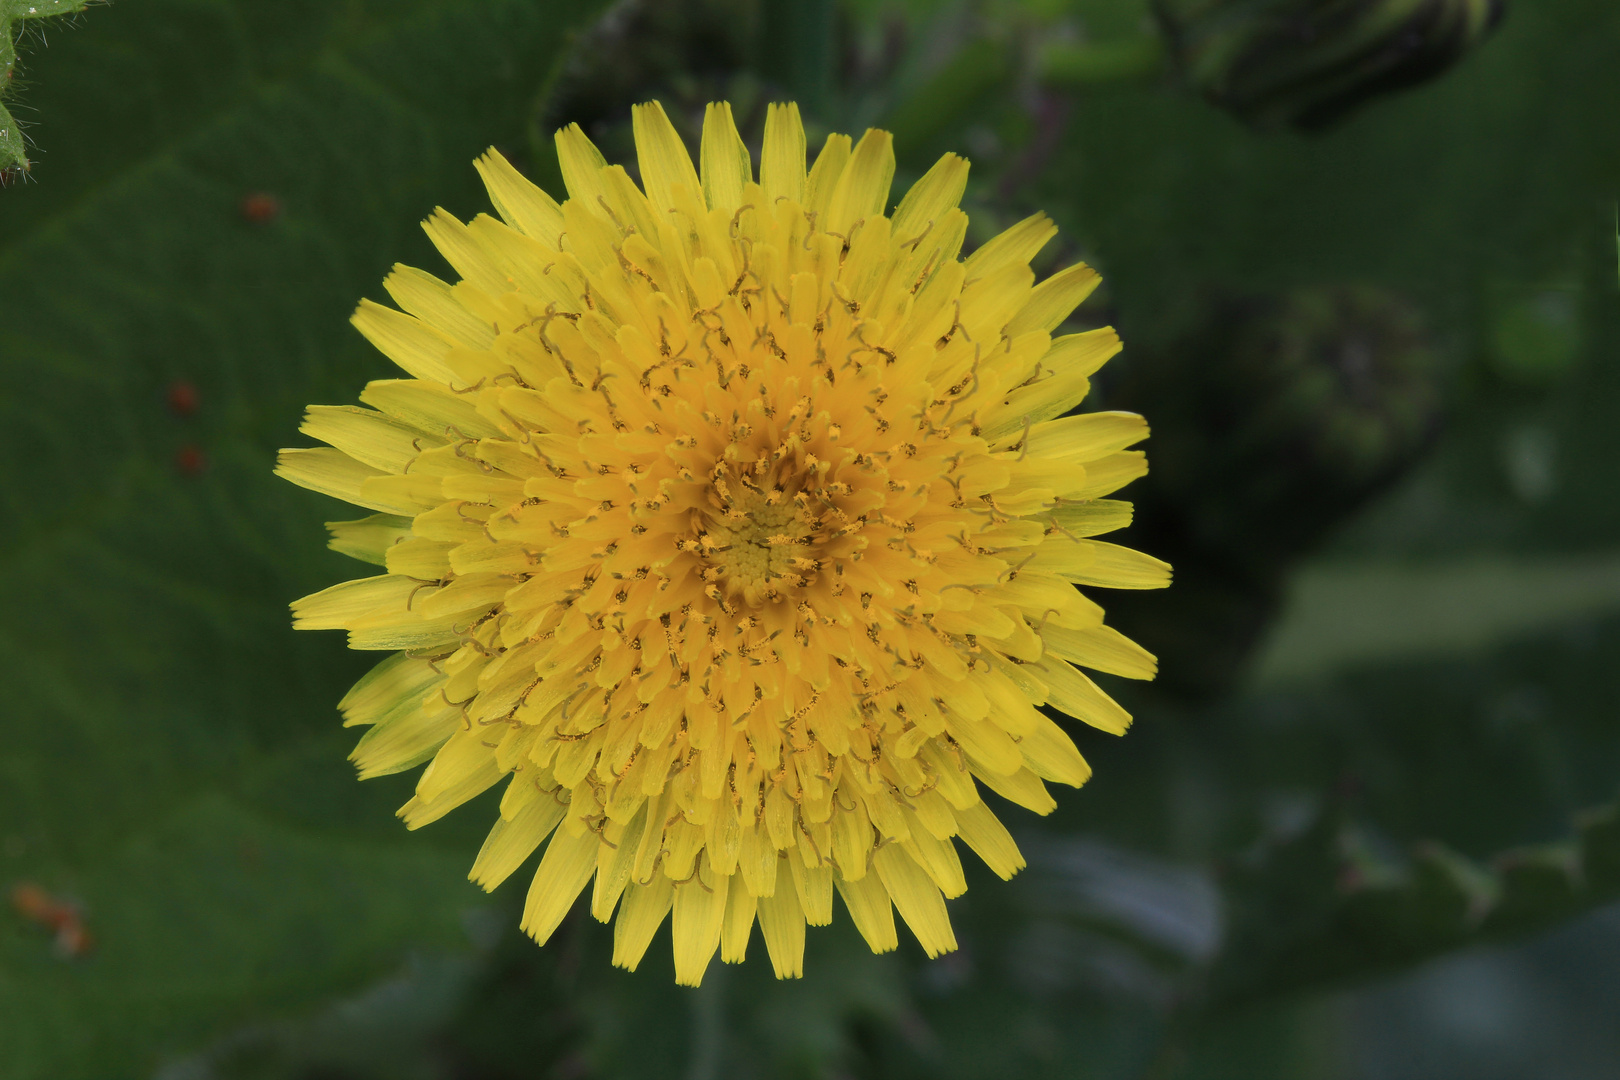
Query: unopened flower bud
(1308, 63)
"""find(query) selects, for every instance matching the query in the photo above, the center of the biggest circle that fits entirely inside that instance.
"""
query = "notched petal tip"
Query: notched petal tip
(663, 157)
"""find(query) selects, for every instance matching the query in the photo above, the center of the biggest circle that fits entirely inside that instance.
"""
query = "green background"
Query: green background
(1412, 765)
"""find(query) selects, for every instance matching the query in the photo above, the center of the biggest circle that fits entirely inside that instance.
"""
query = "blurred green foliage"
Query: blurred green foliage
(1385, 730)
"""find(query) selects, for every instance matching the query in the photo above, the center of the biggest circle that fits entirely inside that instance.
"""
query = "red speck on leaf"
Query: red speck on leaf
(74, 940)
(48, 912)
(182, 398)
(260, 208)
(190, 460)
(31, 902)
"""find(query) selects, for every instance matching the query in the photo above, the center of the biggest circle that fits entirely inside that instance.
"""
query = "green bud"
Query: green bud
(1317, 397)
(1276, 417)
(1309, 63)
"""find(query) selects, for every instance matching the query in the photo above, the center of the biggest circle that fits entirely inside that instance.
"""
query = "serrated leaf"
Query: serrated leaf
(1440, 901)
(13, 15)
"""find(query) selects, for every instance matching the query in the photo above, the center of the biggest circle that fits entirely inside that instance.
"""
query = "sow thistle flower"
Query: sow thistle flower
(729, 519)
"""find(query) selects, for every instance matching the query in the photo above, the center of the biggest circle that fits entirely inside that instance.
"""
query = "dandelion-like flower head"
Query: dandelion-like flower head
(734, 523)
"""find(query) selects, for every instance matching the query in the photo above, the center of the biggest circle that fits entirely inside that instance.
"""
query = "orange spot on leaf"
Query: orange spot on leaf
(260, 208)
(190, 460)
(182, 398)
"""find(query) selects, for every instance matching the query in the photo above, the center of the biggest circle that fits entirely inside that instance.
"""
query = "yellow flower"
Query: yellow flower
(729, 518)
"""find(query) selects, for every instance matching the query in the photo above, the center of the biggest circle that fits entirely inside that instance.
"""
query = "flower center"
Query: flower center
(768, 529)
(761, 545)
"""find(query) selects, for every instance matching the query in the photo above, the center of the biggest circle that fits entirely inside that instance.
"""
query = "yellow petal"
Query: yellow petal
(870, 910)
(938, 859)
(581, 161)
(991, 301)
(398, 683)
(472, 776)
(429, 408)
(1084, 353)
(825, 174)
(339, 606)
(930, 198)
(369, 538)
(464, 755)
(1073, 693)
(727, 168)
(433, 301)
(955, 781)
(1023, 788)
(1054, 300)
(1092, 517)
(370, 437)
(631, 208)
(781, 923)
(520, 202)
(640, 916)
(1064, 381)
(917, 898)
(511, 842)
(1088, 436)
(863, 186)
(852, 839)
(567, 865)
(739, 922)
(662, 156)
(1102, 648)
(528, 263)
(614, 864)
(986, 744)
(982, 831)
(781, 166)
(814, 885)
(1052, 755)
(757, 861)
(404, 741)
(469, 592)
(700, 910)
(1106, 475)
(416, 347)
(461, 251)
(1015, 247)
(1111, 566)
(401, 629)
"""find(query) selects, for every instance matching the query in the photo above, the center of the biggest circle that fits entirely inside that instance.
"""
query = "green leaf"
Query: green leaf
(170, 755)
(204, 911)
(13, 13)
(1311, 913)
(1342, 614)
